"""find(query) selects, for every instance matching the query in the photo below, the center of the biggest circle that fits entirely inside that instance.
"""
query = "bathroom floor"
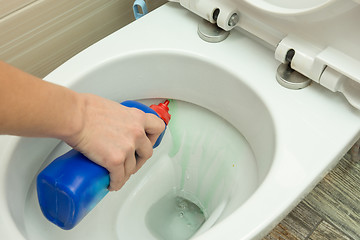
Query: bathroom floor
(330, 211)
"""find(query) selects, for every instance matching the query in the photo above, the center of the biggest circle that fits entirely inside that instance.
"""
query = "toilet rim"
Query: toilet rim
(7, 151)
(11, 230)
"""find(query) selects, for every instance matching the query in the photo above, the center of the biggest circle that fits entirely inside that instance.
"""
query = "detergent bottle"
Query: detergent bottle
(70, 186)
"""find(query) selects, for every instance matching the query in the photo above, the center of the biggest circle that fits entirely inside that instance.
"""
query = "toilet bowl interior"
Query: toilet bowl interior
(221, 186)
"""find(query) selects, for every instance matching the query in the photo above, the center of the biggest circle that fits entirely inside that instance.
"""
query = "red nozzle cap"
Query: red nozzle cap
(162, 110)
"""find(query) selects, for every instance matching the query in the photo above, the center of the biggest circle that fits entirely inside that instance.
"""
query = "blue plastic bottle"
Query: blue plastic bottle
(71, 186)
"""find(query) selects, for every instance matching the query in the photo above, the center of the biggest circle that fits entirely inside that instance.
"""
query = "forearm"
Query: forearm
(30, 106)
(105, 131)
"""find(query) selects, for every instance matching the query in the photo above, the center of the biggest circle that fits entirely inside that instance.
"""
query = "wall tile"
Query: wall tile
(10, 6)
(40, 37)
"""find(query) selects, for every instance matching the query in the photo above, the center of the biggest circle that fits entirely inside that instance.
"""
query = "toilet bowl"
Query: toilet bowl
(242, 147)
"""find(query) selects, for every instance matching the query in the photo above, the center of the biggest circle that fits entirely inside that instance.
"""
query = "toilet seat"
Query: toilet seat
(326, 45)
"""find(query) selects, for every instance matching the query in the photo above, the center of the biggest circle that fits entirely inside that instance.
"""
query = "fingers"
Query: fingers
(136, 155)
(117, 179)
(129, 164)
(121, 169)
(154, 126)
(143, 152)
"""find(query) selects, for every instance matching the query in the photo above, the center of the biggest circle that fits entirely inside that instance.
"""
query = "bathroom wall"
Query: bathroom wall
(39, 35)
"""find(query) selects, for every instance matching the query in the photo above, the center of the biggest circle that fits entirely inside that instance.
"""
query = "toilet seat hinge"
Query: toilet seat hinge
(224, 14)
(327, 66)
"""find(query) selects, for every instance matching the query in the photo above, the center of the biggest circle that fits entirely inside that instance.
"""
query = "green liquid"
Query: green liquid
(174, 217)
(212, 161)
(211, 157)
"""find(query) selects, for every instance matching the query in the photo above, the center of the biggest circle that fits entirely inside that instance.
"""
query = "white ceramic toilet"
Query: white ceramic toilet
(241, 146)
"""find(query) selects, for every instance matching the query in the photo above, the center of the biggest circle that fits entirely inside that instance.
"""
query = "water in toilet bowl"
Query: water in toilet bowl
(175, 217)
(202, 158)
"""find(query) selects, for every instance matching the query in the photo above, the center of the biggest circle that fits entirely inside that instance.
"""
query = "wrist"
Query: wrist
(73, 126)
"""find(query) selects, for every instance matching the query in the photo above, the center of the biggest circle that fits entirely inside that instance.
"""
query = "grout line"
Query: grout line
(313, 230)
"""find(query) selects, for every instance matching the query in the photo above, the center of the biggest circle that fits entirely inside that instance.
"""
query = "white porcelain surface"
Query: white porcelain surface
(296, 136)
(324, 50)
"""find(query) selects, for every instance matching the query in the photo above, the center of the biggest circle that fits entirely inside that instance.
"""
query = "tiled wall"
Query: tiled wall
(38, 35)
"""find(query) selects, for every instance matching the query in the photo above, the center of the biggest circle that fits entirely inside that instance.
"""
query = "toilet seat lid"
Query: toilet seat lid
(323, 34)
(324, 23)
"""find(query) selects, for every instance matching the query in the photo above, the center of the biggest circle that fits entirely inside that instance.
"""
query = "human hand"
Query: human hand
(116, 137)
